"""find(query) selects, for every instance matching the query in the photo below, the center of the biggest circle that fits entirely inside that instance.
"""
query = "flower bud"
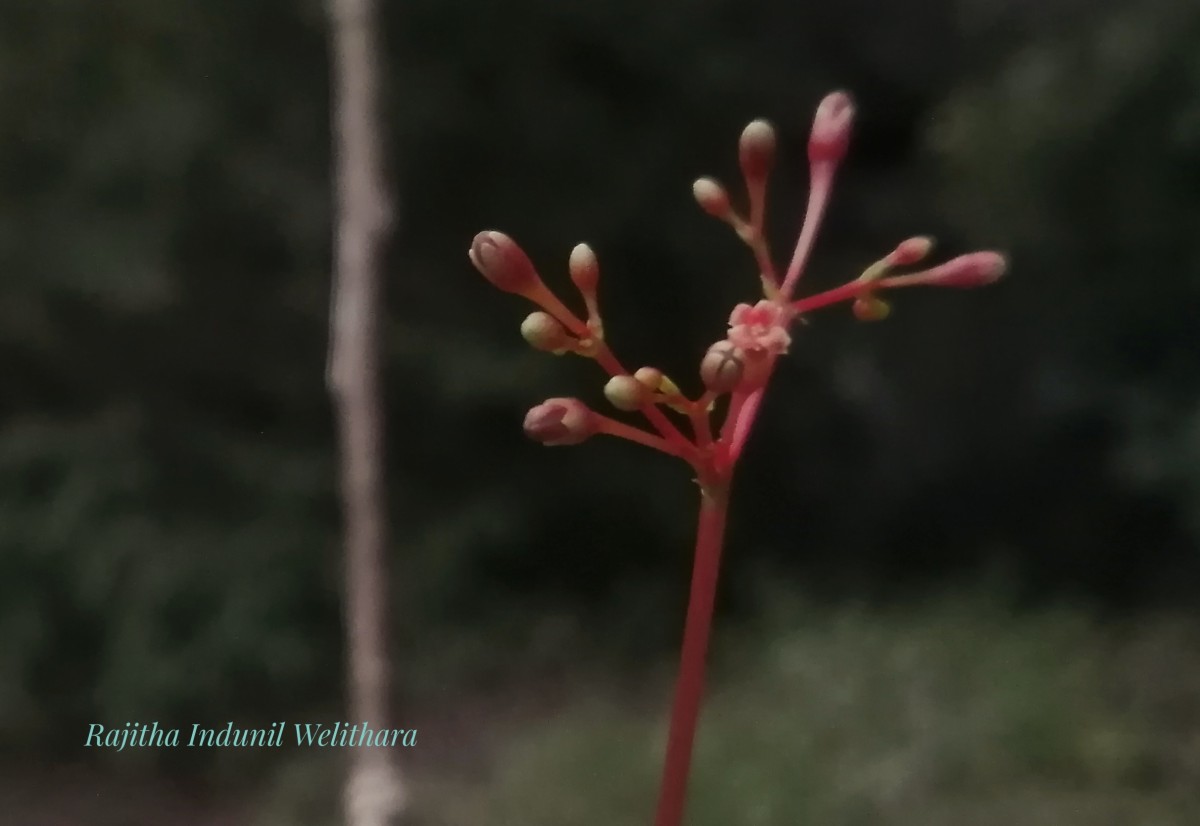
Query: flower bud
(651, 377)
(585, 269)
(626, 393)
(722, 367)
(976, 269)
(756, 150)
(712, 198)
(545, 332)
(502, 262)
(910, 251)
(560, 422)
(871, 309)
(830, 137)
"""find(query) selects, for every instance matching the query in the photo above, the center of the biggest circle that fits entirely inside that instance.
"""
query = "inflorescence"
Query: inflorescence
(740, 364)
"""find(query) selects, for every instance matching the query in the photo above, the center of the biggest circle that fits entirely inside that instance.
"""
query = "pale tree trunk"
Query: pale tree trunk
(373, 792)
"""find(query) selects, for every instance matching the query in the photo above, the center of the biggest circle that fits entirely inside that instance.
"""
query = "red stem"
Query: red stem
(685, 711)
(818, 197)
(845, 292)
(736, 400)
(612, 427)
(745, 421)
(710, 532)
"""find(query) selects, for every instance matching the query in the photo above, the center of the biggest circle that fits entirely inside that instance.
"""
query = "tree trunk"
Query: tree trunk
(373, 792)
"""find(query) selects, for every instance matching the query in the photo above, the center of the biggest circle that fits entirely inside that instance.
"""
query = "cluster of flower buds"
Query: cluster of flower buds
(555, 328)
(741, 363)
(756, 158)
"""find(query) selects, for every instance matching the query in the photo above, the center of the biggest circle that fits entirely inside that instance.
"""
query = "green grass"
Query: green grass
(955, 714)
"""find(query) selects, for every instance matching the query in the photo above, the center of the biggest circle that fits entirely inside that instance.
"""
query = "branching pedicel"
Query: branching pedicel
(739, 366)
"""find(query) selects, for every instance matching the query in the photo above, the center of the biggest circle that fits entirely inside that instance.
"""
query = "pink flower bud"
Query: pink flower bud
(830, 136)
(910, 251)
(976, 269)
(545, 332)
(585, 269)
(626, 393)
(560, 422)
(756, 150)
(712, 198)
(502, 262)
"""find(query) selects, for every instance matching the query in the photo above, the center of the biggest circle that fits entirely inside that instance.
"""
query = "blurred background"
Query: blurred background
(963, 564)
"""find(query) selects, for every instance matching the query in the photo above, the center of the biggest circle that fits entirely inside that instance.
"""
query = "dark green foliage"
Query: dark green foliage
(1083, 152)
(169, 540)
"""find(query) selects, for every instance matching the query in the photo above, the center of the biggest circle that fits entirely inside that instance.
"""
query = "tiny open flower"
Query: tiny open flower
(560, 422)
(712, 198)
(502, 262)
(626, 393)
(830, 137)
(545, 332)
(756, 150)
(585, 269)
(976, 269)
(761, 328)
(910, 251)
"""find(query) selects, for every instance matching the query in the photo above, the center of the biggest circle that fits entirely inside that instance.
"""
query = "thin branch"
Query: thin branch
(373, 794)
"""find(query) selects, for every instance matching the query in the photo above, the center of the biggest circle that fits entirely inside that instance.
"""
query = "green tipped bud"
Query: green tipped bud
(871, 309)
(626, 393)
(545, 332)
(668, 387)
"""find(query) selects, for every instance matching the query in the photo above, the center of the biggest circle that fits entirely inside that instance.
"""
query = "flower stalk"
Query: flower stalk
(689, 688)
